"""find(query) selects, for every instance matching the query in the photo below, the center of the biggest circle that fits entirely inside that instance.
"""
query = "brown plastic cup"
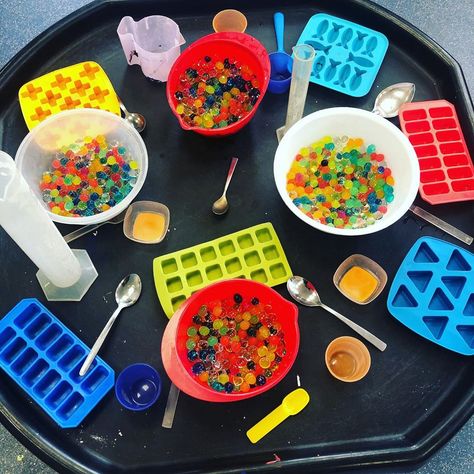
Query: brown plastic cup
(229, 20)
(347, 359)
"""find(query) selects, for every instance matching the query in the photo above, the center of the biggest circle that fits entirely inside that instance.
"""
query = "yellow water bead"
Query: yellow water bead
(180, 109)
(110, 161)
(290, 175)
(223, 378)
(234, 91)
(304, 152)
(219, 65)
(197, 120)
(208, 123)
(264, 363)
(210, 89)
(250, 379)
(300, 191)
(198, 103)
(226, 95)
(262, 351)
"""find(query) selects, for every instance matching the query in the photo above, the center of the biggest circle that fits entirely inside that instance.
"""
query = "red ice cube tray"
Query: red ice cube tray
(446, 169)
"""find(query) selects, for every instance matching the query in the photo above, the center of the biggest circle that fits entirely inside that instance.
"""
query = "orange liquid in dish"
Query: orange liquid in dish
(148, 226)
(342, 364)
(358, 284)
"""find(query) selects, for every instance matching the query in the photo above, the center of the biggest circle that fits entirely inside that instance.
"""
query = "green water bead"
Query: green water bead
(82, 205)
(217, 324)
(192, 331)
(204, 330)
(190, 344)
(69, 206)
(223, 330)
(212, 341)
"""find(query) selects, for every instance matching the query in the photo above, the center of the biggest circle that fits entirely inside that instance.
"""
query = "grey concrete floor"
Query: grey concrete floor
(449, 23)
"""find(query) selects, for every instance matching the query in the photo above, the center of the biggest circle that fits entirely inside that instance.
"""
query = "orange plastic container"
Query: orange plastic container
(240, 46)
(173, 346)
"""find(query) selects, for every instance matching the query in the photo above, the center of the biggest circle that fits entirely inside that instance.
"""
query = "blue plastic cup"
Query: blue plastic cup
(138, 387)
(280, 62)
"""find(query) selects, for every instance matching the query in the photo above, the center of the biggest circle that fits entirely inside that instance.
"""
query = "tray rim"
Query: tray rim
(406, 454)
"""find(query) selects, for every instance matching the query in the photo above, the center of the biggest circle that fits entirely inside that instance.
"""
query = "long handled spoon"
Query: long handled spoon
(305, 293)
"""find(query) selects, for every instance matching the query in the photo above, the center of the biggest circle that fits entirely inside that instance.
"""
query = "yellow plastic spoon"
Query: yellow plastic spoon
(292, 404)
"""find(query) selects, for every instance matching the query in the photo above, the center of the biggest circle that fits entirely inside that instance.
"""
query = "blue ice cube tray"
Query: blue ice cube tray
(433, 294)
(348, 55)
(44, 357)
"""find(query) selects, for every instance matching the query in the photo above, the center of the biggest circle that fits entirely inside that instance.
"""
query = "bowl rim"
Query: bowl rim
(354, 112)
(113, 211)
(213, 395)
(221, 36)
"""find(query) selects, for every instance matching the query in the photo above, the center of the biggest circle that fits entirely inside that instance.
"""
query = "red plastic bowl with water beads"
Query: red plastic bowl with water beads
(216, 85)
(257, 355)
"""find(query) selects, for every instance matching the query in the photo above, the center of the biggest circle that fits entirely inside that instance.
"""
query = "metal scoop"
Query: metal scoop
(304, 292)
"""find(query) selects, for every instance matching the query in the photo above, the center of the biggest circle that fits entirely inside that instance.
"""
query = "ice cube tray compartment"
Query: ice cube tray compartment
(255, 253)
(348, 55)
(83, 85)
(44, 357)
(446, 168)
(433, 294)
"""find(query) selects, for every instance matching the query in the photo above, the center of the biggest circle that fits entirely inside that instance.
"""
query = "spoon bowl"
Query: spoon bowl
(136, 120)
(388, 102)
(221, 205)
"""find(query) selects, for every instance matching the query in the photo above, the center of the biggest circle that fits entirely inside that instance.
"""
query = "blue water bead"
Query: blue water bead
(229, 387)
(373, 208)
(367, 167)
(380, 169)
(88, 212)
(203, 353)
(126, 167)
(387, 189)
(198, 367)
(371, 149)
(371, 197)
(193, 355)
(94, 196)
(321, 198)
(329, 146)
(217, 386)
(378, 202)
(63, 161)
(389, 197)
(111, 203)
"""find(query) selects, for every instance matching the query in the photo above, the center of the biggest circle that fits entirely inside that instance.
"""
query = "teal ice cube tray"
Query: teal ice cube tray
(348, 55)
(44, 357)
(433, 294)
(254, 253)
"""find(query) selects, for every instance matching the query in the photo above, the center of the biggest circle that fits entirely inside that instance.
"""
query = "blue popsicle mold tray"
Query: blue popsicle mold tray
(44, 357)
(348, 55)
(433, 294)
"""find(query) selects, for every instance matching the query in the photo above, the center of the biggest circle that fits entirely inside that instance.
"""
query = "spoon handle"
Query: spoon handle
(358, 329)
(98, 343)
(233, 164)
(279, 24)
(440, 224)
(82, 231)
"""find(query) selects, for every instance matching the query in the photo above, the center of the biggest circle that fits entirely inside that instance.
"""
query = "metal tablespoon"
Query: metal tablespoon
(305, 293)
(127, 293)
(221, 205)
(134, 118)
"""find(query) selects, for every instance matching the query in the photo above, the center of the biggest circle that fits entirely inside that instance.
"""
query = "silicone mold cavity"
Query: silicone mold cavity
(348, 55)
(254, 253)
(43, 357)
(434, 130)
(432, 294)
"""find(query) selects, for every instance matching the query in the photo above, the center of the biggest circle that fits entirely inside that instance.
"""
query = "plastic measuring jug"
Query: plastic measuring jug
(153, 43)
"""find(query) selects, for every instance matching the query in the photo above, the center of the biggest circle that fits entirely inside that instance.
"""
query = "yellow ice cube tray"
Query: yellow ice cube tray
(80, 86)
(254, 253)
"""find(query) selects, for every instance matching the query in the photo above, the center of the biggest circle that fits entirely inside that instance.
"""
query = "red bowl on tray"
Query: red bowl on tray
(240, 46)
(173, 346)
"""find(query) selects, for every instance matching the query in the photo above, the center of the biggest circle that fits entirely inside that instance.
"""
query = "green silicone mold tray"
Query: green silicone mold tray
(254, 253)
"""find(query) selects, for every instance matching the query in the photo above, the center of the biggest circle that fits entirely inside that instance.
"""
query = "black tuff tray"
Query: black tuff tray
(416, 396)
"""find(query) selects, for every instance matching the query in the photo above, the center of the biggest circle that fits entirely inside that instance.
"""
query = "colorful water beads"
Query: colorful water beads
(215, 93)
(341, 183)
(235, 345)
(88, 177)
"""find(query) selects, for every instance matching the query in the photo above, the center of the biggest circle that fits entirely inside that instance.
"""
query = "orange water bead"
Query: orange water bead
(246, 316)
(245, 387)
(250, 378)
(244, 325)
(264, 332)
(203, 376)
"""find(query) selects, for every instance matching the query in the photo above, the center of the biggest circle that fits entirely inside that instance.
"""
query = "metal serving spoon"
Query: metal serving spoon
(387, 105)
(127, 293)
(388, 102)
(222, 205)
(134, 118)
(90, 228)
(305, 293)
